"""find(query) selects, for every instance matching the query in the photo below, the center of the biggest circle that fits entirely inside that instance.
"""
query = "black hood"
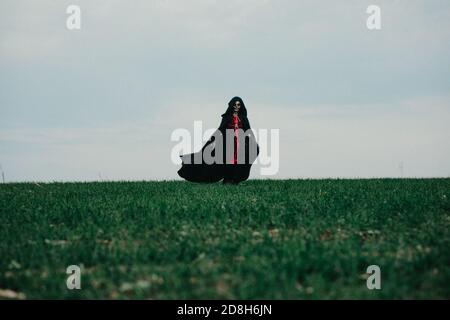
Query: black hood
(242, 110)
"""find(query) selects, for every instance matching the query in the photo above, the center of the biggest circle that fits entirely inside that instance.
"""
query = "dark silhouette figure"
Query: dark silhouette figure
(234, 145)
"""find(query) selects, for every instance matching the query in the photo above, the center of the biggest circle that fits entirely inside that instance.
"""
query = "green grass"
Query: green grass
(286, 239)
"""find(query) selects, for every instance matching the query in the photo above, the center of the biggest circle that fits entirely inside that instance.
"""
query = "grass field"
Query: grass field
(285, 239)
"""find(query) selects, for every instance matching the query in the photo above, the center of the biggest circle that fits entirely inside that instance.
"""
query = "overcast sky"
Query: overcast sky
(102, 102)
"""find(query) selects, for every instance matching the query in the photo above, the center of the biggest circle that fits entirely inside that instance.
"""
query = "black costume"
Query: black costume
(226, 169)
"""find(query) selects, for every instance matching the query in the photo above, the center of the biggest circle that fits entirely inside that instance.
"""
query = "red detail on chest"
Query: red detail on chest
(235, 124)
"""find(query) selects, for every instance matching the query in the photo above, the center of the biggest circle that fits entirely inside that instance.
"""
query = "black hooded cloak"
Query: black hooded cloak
(207, 172)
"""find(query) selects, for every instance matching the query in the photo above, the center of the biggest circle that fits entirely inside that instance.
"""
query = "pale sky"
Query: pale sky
(102, 102)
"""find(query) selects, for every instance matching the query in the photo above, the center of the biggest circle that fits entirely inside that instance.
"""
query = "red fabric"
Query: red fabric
(235, 124)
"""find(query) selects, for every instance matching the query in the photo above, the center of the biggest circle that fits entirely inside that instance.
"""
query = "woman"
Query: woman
(237, 156)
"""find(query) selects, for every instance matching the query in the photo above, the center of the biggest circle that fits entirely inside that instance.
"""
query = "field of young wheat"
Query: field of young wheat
(262, 239)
